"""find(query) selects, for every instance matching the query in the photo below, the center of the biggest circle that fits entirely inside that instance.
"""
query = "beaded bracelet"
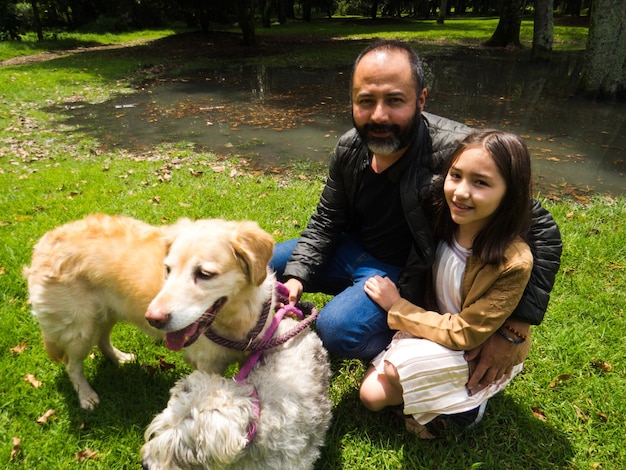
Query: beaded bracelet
(515, 332)
(508, 338)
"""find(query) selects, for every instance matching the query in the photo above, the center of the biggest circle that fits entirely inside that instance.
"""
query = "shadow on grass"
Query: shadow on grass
(508, 433)
(130, 394)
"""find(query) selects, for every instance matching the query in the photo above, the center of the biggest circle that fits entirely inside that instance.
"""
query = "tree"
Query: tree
(507, 31)
(9, 23)
(543, 32)
(37, 19)
(443, 7)
(604, 69)
(245, 13)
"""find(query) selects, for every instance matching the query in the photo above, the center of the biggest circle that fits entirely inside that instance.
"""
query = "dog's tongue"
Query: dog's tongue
(176, 339)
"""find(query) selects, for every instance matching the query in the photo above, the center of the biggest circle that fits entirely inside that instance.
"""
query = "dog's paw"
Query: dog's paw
(119, 357)
(88, 399)
(125, 357)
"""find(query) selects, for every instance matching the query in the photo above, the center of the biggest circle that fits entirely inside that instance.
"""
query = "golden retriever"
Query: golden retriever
(89, 274)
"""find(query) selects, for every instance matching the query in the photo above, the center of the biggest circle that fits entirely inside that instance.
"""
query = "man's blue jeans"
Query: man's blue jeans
(351, 325)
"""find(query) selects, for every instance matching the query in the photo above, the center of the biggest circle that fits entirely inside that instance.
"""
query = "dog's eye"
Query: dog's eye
(204, 275)
(167, 271)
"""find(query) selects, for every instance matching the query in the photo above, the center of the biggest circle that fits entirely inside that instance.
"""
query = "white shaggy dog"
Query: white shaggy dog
(210, 421)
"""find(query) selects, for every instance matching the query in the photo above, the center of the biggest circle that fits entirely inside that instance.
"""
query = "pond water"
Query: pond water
(278, 115)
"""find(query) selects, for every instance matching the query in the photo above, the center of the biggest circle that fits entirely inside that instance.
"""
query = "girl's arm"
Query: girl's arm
(492, 294)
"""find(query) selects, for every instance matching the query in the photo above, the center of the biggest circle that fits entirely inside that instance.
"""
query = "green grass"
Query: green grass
(454, 31)
(64, 40)
(566, 410)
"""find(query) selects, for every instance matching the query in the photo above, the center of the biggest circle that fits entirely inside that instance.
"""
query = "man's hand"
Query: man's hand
(295, 288)
(496, 357)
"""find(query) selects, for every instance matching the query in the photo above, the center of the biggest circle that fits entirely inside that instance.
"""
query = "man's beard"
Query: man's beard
(398, 139)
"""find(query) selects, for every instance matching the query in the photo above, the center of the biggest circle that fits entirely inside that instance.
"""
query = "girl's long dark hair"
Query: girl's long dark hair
(512, 218)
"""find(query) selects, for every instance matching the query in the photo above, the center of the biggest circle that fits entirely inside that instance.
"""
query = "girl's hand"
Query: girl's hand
(382, 290)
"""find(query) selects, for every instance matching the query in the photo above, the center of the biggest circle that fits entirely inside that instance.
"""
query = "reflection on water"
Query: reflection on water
(277, 115)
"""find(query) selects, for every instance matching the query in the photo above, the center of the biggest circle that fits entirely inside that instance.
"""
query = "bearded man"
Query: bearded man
(374, 218)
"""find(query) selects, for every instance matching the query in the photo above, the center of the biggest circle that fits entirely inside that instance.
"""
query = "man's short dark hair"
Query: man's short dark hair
(417, 69)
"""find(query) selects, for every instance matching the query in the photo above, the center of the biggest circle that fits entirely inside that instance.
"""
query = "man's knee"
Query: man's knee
(345, 339)
(337, 338)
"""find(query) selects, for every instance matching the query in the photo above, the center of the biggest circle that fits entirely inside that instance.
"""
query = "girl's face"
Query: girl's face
(473, 189)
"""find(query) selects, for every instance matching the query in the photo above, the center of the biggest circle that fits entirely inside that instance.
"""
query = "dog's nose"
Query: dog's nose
(158, 324)
(157, 319)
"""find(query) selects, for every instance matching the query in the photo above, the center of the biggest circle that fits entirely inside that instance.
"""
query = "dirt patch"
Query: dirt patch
(179, 47)
(50, 55)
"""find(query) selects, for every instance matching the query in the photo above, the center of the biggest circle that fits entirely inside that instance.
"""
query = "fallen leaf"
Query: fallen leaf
(602, 365)
(17, 445)
(538, 413)
(19, 349)
(603, 417)
(164, 365)
(43, 419)
(31, 379)
(580, 414)
(559, 379)
(86, 454)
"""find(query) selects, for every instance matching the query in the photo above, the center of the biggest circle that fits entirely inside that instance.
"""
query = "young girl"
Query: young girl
(481, 269)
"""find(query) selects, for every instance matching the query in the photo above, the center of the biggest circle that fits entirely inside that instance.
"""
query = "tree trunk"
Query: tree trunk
(604, 70)
(443, 8)
(374, 9)
(282, 11)
(306, 10)
(507, 31)
(37, 19)
(245, 12)
(543, 33)
(266, 12)
(572, 7)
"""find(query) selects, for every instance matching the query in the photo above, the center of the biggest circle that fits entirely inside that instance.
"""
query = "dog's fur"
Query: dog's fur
(211, 262)
(206, 422)
(89, 274)
(84, 277)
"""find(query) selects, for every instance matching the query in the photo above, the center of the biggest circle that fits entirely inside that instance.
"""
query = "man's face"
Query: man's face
(385, 105)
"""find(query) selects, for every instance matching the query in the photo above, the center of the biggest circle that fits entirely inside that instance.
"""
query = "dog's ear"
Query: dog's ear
(254, 248)
(170, 232)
